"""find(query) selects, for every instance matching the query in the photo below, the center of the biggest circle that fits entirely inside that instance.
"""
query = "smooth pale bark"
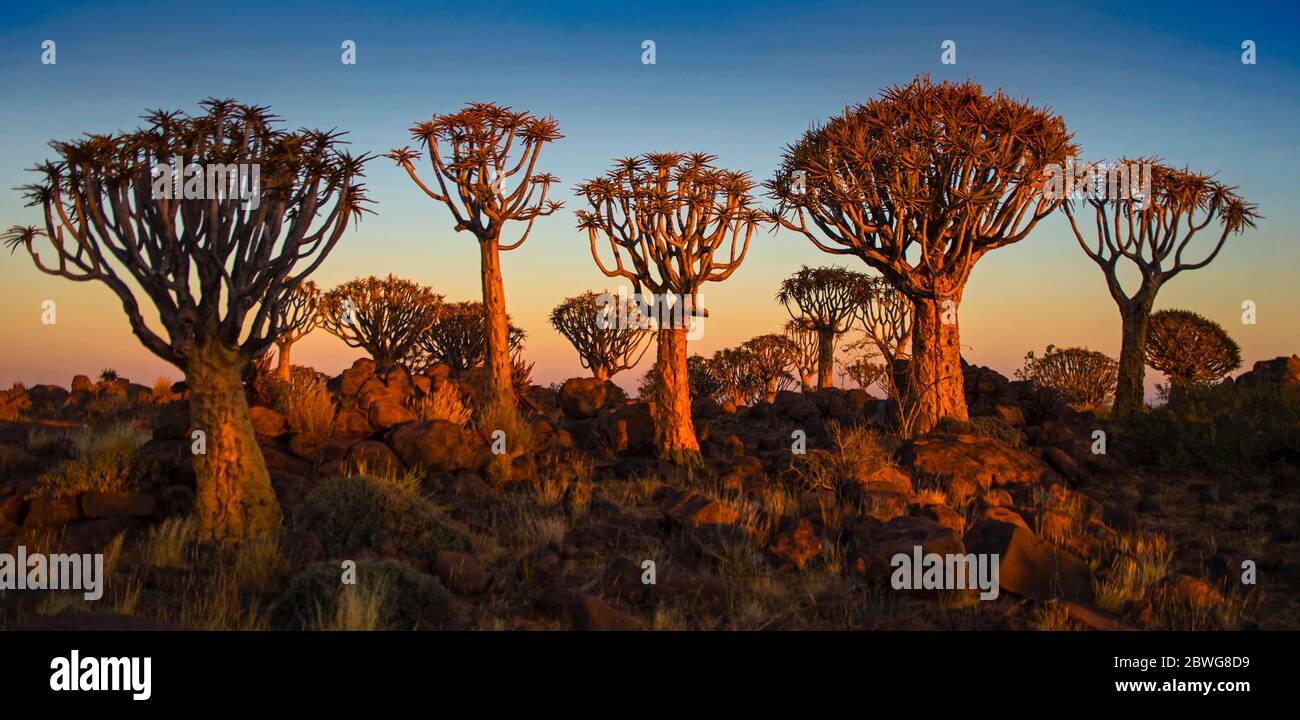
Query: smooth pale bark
(937, 386)
(499, 393)
(674, 430)
(283, 371)
(825, 359)
(1130, 392)
(234, 499)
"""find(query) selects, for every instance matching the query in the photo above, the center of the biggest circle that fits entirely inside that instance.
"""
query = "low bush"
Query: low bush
(1221, 427)
(360, 511)
(388, 595)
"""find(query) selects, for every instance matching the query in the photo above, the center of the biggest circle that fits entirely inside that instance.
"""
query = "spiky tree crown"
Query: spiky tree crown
(384, 316)
(458, 338)
(605, 329)
(216, 267)
(825, 298)
(1190, 348)
(773, 356)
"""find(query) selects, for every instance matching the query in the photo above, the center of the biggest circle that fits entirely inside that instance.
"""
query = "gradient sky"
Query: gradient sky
(739, 80)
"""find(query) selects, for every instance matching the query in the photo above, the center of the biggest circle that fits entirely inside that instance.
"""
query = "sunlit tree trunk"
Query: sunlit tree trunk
(498, 398)
(825, 359)
(234, 499)
(675, 433)
(937, 385)
(283, 371)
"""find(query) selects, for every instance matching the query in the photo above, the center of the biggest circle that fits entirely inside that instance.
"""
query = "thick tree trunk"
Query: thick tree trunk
(936, 386)
(283, 371)
(498, 396)
(771, 390)
(234, 499)
(1130, 392)
(825, 359)
(600, 373)
(674, 431)
(806, 382)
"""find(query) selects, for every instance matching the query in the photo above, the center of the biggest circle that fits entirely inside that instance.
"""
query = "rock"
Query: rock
(82, 384)
(798, 545)
(902, 534)
(438, 445)
(881, 478)
(386, 413)
(13, 402)
(592, 613)
(582, 398)
(351, 380)
(1281, 371)
(374, 457)
(309, 446)
(1053, 433)
(693, 510)
(11, 507)
(461, 573)
(48, 511)
(117, 505)
(629, 429)
(984, 461)
(351, 421)
(945, 516)
(267, 422)
(1006, 515)
(1030, 566)
(795, 406)
(1060, 461)
(1010, 414)
(1192, 592)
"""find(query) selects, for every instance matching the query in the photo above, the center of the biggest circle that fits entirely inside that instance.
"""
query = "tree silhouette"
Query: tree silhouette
(808, 346)
(920, 184)
(484, 159)
(1153, 230)
(824, 299)
(1190, 349)
(773, 356)
(671, 214)
(260, 210)
(298, 316)
(383, 316)
(605, 330)
(735, 370)
(458, 338)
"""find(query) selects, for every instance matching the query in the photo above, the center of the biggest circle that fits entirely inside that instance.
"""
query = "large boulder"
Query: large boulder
(582, 398)
(1028, 565)
(630, 428)
(267, 422)
(438, 445)
(872, 554)
(981, 460)
(1281, 371)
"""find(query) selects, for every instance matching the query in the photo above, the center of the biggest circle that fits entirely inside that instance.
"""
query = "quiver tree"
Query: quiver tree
(458, 338)
(605, 329)
(298, 316)
(1190, 349)
(673, 222)
(735, 371)
(259, 210)
(383, 316)
(824, 299)
(1081, 377)
(1154, 230)
(920, 184)
(773, 356)
(484, 162)
(808, 351)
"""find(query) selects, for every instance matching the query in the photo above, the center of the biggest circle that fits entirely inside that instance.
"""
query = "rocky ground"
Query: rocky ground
(761, 537)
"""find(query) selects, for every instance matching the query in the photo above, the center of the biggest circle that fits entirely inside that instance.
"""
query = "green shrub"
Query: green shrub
(1221, 427)
(403, 599)
(360, 511)
(104, 461)
(989, 427)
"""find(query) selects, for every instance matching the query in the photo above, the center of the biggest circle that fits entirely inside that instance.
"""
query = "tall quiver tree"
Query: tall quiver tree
(484, 161)
(216, 262)
(605, 329)
(920, 184)
(1154, 228)
(297, 317)
(824, 300)
(680, 222)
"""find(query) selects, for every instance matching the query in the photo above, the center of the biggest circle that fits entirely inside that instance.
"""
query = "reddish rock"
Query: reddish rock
(582, 397)
(11, 507)
(1030, 566)
(48, 511)
(309, 446)
(1006, 515)
(267, 422)
(351, 421)
(798, 545)
(438, 445)
(691, 509)
(1192, 592)
(945, 516)
(374, 457)
(387, 413)
(1060, 461)
(117, 505)
(629, 429)
(872, 556)
(461, 573)
(881, 478)
(983, 461)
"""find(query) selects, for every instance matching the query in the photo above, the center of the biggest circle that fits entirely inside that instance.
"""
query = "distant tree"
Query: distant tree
(824, 299)
(774, 356)
(920, 184)
(1083, 378)
(594, 325)
(484, 161)
(298, 316)
(735, 370)
(215, 267)
(383, 316)
(1190, 349)
(809, 351)
(865, 372)
(1152, 230)
(680, 222)
(458, 338)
